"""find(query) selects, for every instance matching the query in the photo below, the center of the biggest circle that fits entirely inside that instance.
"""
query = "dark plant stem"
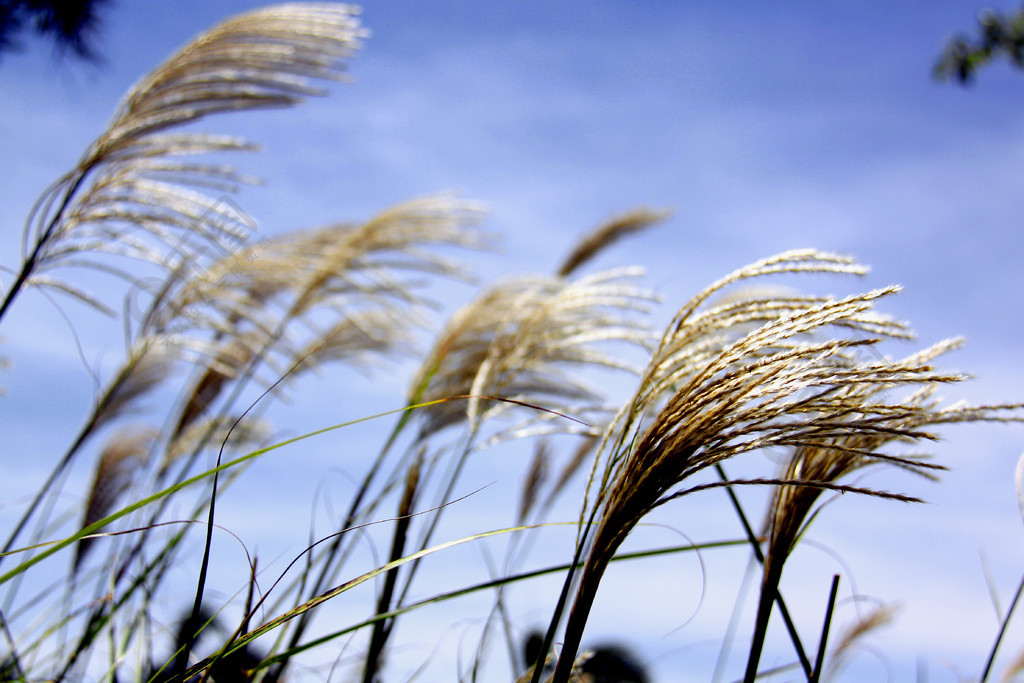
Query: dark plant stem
(29, 266)
(382, 629)
(578, 616)
(769, 595)
(563, 599)
(759, 554)
(820, 659)
(1002, 631)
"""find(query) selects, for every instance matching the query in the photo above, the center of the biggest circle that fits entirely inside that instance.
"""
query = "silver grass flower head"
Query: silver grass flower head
(518, 339)
(144, 202)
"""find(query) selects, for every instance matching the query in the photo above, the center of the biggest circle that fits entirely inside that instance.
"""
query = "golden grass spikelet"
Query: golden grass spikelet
(204, 391)
(259, 59)
(337, 293)
(340, 266)
(817, 464)
(461, 348)
(358, 339)
(560, 324)
(608, 233)
(364, 259)
(836, 457)
(124, 455)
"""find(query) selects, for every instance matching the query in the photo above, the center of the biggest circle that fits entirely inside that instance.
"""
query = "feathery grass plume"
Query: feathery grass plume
(515, 340)
(204, 391)
(777, 385)
(147, 366)
(349, 273)
(251, 301)
(141, 202)
(608, 233)
(358, 340)
(366, 258)
(513, 345)
(815, 466)
(877, 618)
(699, 336)
(341, 267)
(123, 456)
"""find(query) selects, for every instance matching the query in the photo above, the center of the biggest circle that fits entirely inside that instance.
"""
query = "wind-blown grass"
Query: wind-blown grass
(738, 370)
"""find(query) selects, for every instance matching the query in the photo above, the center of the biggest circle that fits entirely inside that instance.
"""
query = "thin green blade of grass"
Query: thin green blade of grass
(56, 546)
(467, 590)
(338, 590)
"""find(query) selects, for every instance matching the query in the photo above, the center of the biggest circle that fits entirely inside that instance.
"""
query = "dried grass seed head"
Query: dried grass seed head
(123, 456)
(775, 385)
(520, 339)
(330, 293)
(608, 233)
(141, 203)
(147, 366)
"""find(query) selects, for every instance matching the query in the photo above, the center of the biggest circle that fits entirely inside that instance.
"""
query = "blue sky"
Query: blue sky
(764, 129)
